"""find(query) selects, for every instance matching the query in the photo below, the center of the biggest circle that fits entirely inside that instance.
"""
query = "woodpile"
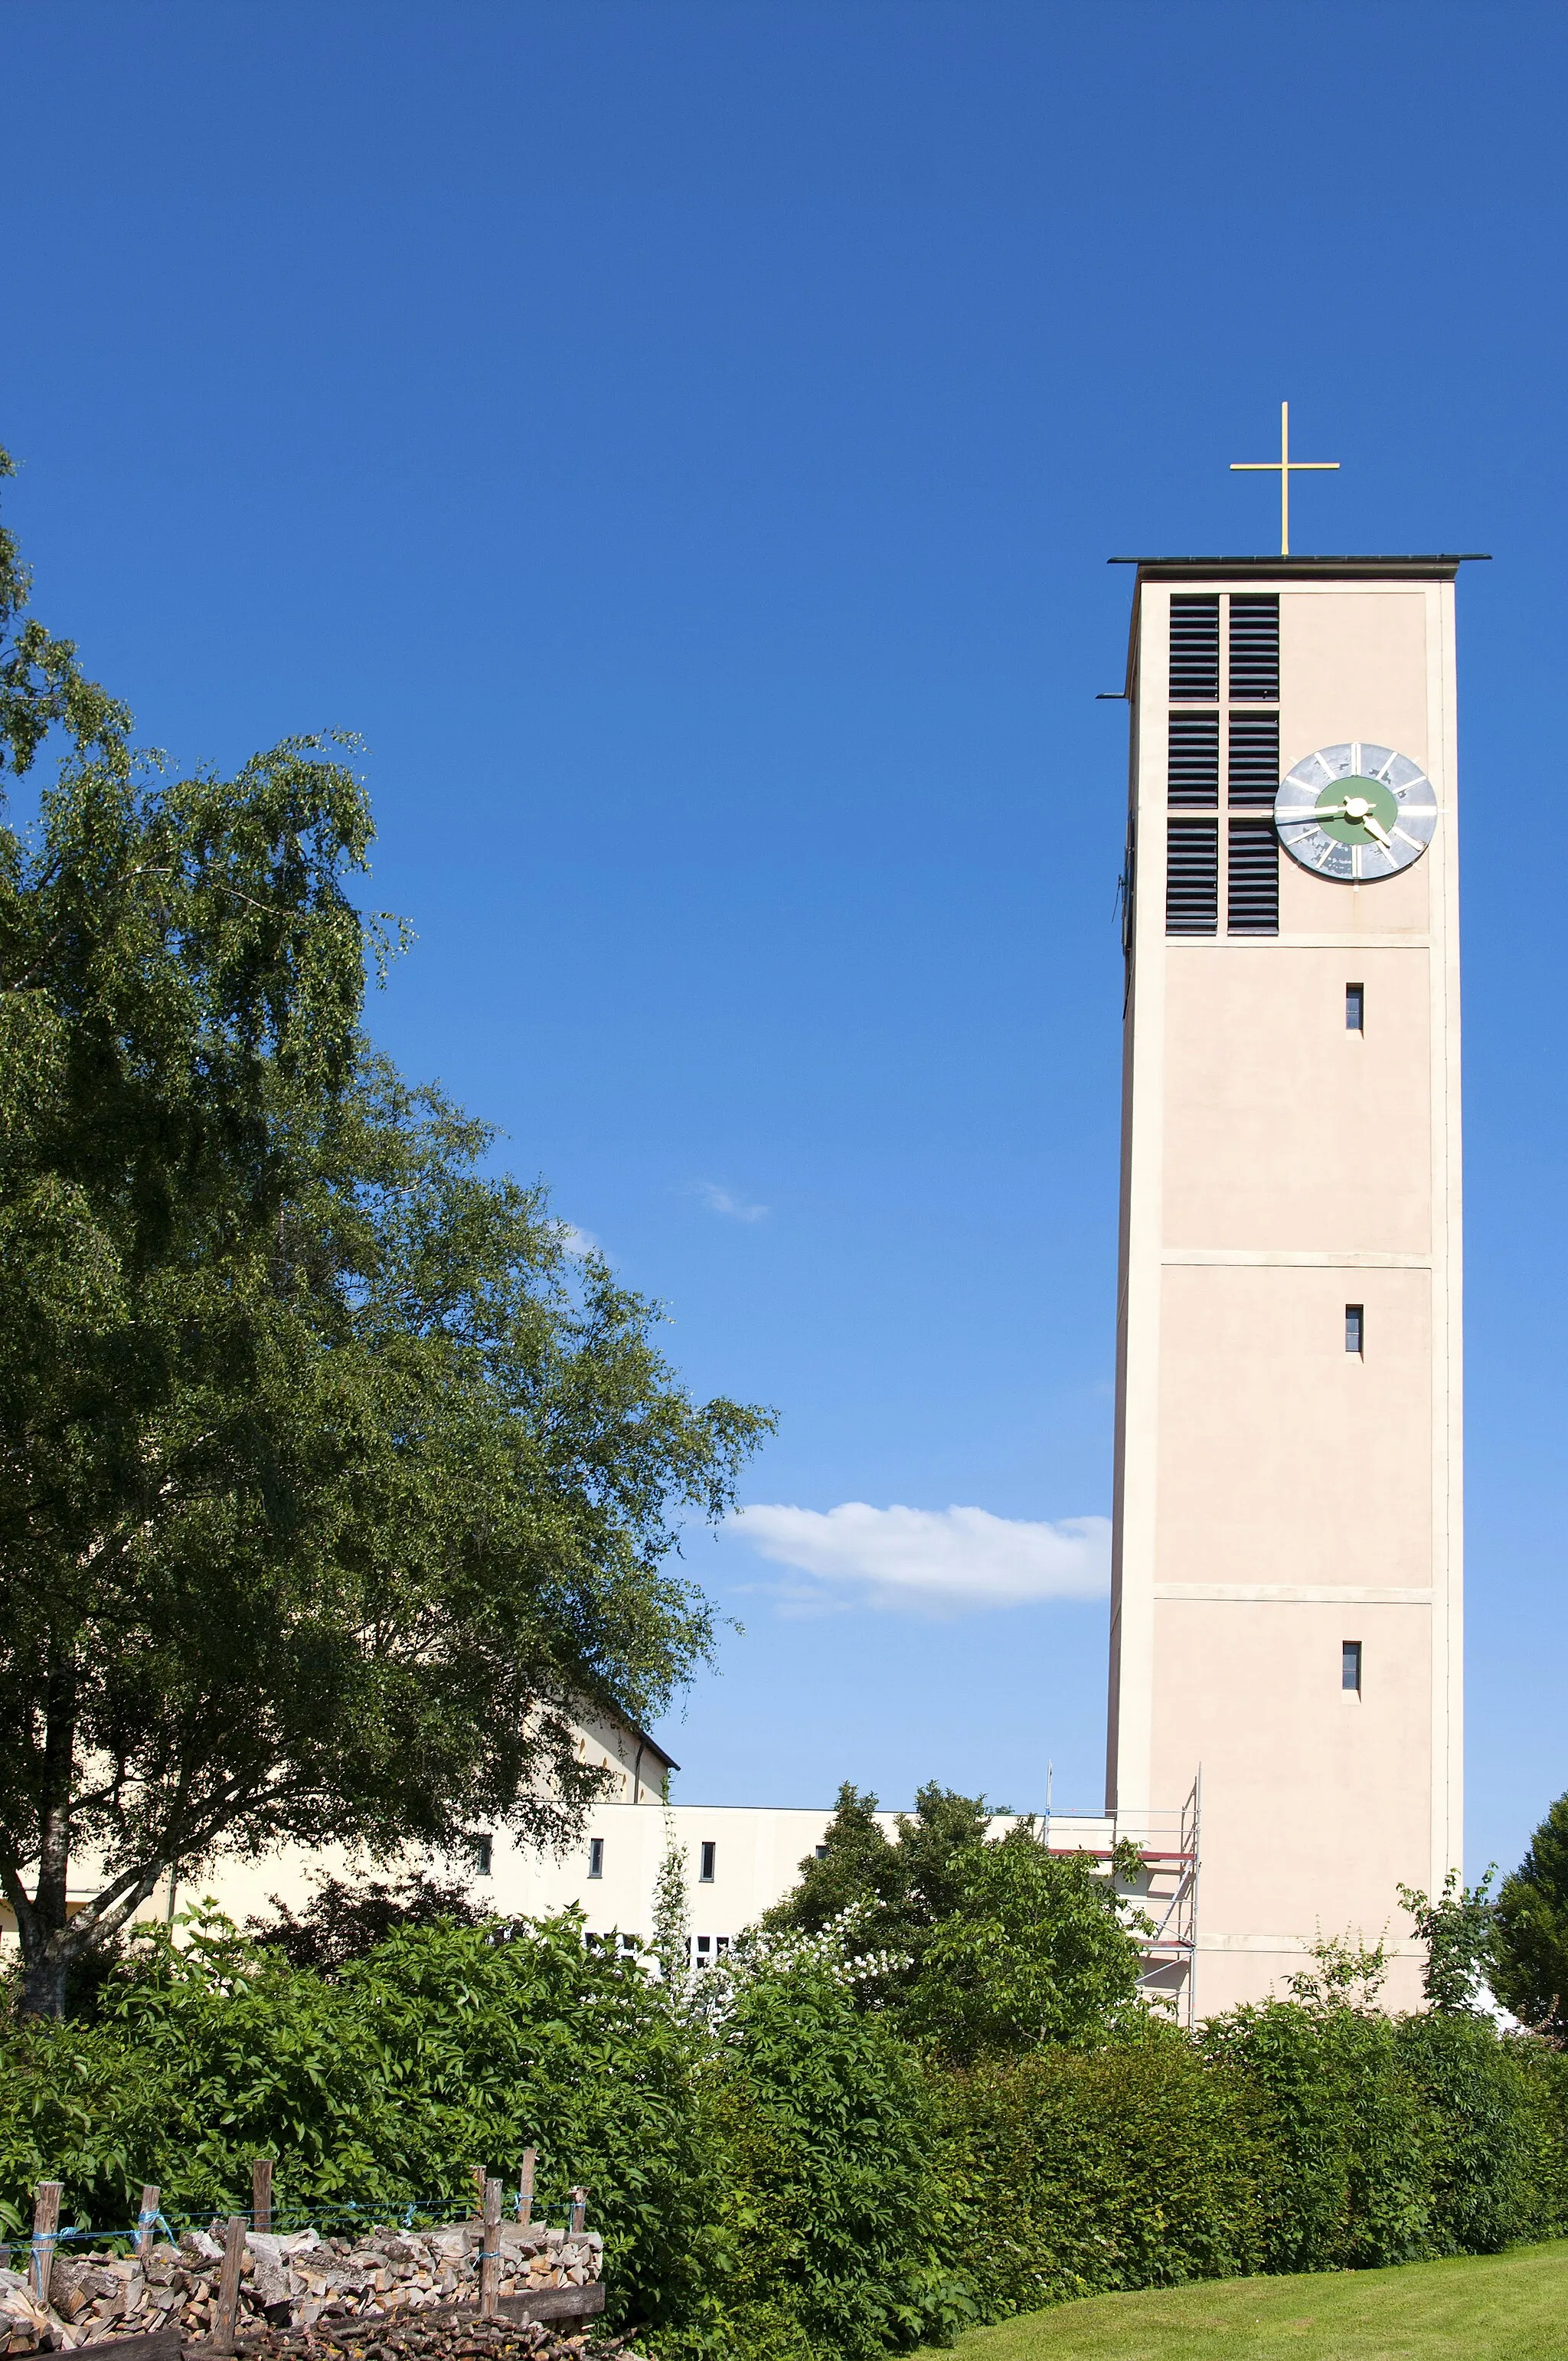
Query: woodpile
(286, 2285)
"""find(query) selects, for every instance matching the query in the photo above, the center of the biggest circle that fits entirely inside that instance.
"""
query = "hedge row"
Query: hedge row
(799, 2181)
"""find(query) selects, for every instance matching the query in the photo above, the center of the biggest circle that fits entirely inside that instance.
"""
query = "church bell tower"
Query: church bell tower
(1285, 1615)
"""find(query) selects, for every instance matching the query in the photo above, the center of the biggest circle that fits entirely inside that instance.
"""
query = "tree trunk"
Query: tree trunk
(43, 1982)
(42, 1931)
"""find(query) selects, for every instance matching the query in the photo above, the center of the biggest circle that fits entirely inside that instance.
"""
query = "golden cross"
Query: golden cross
(1287, 468)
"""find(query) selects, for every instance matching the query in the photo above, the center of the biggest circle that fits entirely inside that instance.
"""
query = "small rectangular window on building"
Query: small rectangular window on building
(1350, 1665)
(709, 1855)
(484, 1850)
(821, 1852)
(596, 1856)
(1354, 1328)
(1355, 1008)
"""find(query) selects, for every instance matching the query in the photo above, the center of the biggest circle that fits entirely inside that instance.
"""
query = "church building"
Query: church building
(1286, 1632)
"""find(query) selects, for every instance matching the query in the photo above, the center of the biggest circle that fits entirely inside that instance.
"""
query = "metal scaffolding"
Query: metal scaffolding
(1165, 1889)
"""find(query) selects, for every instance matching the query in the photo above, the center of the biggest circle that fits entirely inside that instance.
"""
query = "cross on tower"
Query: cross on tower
(1286, 466)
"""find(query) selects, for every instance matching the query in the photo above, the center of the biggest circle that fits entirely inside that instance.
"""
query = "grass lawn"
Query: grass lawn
(1510, 2306)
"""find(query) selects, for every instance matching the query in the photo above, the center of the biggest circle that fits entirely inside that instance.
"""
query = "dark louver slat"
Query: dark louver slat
(1194, 771)
(1254, 649)
(1252, 885)
(1194, 648)
(1192, 877)
(1253, 763)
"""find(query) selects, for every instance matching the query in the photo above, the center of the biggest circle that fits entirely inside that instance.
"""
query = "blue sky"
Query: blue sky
(685, 441)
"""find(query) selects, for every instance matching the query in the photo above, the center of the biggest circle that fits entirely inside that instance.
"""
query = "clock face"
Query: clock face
(1355, 812)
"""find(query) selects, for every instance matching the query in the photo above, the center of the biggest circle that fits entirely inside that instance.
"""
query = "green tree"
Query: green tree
(1457, 1929)
(899, 1887)
(330, 1484)
(1035, 1949)
(1530, 1971)
(344, 1920)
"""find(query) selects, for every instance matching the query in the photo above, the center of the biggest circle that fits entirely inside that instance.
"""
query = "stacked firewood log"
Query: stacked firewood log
(286, 2285)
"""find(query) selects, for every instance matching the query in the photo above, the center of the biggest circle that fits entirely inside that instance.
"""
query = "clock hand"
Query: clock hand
(1381, 834)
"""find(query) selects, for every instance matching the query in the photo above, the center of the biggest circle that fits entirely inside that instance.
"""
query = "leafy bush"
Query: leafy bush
(1033, 1951)
(828, 2237)
(1479, 2144)
(444, 2047)
(777, 2169)
(1351, 2136)
(1072, 2173)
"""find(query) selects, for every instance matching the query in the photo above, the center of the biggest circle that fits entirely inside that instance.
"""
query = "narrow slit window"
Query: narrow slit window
(709, 1855)
(596, 1856)
(1194, 648)
(1192, 877)
(1350, 1666)
(1252, 879)
(1193, 766)
(1355, 1008)
(484, 1853)
(1354, 1328)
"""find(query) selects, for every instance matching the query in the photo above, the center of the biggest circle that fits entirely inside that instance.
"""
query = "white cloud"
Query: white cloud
(933, 1558)
(719, 1201)
(575, 1241)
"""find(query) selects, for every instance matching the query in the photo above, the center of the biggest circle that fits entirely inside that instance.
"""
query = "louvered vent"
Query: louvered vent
(1254, 649)
(1192, 877)
(1253, 765)
(1251, 891)
(1195, 647)
(1195, 759)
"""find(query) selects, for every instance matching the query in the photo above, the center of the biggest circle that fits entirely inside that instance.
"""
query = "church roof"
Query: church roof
(1444, 568)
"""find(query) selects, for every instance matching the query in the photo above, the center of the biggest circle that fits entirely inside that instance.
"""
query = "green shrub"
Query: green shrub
(1033, 1951)
(1479, 2144)
(1353, 2139)
(824, 2123)
(777, 2170)
(1542, 2086)
(1072, 2173)
(444, 2047)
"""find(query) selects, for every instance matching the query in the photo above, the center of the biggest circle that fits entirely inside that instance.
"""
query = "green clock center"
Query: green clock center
(1345, 808)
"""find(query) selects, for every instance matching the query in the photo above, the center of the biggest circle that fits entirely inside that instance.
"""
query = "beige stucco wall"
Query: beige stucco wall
(1275, 1495)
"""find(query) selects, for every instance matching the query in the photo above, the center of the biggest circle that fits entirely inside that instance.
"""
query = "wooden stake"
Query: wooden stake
(490, 2253)
(525, 2186)
(579, 2209)
(261, 2194)
(222, 2338)
(147, 2220)
(46, 2222)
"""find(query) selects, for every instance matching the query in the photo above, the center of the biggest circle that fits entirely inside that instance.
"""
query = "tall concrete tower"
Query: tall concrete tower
(1286, 1566)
